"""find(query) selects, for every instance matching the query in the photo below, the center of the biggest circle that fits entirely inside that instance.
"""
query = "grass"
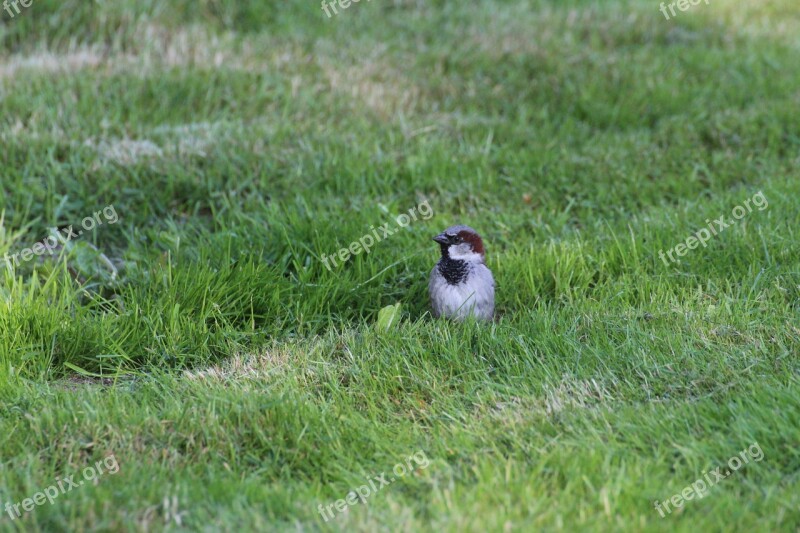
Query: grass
(240, 384)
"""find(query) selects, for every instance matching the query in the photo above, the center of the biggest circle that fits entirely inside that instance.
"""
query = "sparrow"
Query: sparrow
(460, 284)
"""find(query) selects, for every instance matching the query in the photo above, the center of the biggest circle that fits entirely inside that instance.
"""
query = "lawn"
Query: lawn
(178, 353)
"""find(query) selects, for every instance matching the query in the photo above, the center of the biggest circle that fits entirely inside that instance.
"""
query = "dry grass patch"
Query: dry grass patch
(569, 393)
(155, 48)
(125, 152)
(243, 367)
(775, 19)
(48, 62)
(183, 140)
(375, 83)
(572, 393)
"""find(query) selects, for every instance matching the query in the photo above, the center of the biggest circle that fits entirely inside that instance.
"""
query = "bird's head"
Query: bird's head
(461, 243)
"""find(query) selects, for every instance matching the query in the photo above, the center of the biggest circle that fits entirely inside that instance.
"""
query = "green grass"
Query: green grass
(240, 384)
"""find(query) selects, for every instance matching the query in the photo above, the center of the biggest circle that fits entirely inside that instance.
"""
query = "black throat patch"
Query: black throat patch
(454, 270)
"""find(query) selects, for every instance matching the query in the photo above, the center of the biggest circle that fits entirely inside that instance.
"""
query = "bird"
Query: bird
(460, 284)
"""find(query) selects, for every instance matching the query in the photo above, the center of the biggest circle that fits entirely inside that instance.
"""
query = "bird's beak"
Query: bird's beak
(442, 239)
